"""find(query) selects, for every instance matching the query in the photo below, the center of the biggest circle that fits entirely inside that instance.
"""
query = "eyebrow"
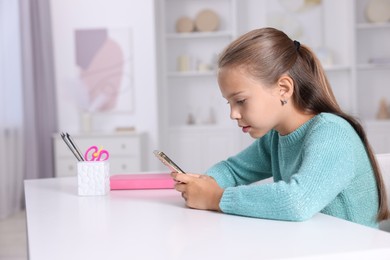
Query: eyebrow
(234, 94)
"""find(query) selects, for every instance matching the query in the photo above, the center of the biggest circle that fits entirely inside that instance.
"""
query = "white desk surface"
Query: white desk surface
(155, 224)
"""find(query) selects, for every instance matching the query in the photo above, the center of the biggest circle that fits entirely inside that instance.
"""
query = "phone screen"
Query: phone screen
(167, 161)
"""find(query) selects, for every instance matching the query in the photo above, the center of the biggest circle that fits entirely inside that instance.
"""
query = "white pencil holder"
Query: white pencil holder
(93, 178)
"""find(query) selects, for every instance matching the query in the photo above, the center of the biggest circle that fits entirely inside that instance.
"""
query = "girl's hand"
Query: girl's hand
(198, 190)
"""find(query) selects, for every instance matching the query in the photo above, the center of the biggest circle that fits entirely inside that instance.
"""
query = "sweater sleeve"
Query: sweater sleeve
(250, 165)
(326, 169)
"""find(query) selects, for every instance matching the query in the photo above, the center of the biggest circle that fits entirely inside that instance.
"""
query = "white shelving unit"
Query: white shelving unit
(337, 26)
(196, 127)
(372, 78)
(190, 89)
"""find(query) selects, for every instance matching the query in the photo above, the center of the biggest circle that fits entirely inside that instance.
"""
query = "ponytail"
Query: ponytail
(308, 74)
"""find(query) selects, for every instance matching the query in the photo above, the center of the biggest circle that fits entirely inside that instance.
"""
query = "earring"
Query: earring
(283, 102)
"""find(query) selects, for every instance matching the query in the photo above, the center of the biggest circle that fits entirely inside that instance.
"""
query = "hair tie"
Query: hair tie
(297, 45)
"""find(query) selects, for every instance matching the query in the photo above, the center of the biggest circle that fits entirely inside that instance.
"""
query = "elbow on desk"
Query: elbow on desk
(298, 212)
(286, 213)
(300, 216)
(287, 208)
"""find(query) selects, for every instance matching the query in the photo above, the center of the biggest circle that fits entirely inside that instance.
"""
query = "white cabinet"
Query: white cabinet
(125, 152)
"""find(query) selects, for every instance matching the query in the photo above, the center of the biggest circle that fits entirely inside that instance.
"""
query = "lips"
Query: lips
(245, 129)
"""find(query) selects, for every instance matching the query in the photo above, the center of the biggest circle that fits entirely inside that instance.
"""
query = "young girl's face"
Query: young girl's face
(257, 108)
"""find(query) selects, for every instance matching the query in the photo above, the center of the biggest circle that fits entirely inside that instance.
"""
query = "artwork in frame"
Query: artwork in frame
(104, 64)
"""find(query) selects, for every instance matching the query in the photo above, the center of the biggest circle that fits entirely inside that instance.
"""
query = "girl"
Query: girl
(318, 156)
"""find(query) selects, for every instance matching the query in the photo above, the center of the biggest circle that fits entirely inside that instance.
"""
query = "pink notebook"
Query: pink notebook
(141, 181)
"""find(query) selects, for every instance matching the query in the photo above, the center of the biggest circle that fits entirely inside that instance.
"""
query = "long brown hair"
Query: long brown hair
(268, 53)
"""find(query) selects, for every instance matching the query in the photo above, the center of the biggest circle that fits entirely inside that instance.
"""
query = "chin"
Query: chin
(257, 134)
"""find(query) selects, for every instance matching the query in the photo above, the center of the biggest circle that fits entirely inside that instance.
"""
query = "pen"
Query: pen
(75, 146)
(71, 146)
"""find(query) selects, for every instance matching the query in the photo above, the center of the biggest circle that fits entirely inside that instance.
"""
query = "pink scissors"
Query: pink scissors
(94, 154)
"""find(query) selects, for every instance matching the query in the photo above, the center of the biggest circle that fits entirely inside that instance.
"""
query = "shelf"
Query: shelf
(206, 1)
(203, 128)
(377, 122)
(369, 26)
(192, 74)
(214, 73)
(337, 68)
(371, 66)
(199, 35)
(217, 128)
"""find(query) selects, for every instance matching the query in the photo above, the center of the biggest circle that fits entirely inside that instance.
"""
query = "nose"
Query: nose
(234, 114)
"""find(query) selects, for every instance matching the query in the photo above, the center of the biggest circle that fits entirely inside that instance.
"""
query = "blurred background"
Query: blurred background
(134, 76)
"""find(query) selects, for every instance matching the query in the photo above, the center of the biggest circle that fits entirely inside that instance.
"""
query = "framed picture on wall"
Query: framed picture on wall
(104, 70)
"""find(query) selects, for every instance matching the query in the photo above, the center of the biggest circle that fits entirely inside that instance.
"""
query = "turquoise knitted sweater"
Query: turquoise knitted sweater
(320, 167)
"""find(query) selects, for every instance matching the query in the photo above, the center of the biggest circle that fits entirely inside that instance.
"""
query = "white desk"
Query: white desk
(155, 224)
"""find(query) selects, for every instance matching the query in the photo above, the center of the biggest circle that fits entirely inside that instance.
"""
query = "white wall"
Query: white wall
(86, 14)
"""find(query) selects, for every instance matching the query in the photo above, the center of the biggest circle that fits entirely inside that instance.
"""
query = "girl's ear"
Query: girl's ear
(286, 87)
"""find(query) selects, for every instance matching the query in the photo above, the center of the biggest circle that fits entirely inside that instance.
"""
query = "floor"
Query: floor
(13, 237)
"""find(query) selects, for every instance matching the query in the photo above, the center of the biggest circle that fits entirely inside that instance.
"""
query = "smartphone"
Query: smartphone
(167, 161)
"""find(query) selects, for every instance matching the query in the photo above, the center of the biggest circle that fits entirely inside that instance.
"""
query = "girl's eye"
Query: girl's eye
(240, 102)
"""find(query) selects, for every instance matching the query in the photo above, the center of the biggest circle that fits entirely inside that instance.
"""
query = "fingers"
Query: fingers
(173, 175)
(181, 183)
(184, 195)
(192, 188)
(196, 175)
(181, 177)
(181, 187)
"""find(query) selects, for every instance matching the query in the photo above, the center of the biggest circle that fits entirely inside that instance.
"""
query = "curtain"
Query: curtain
(38, 88)
(11, 111)
(27, 99)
